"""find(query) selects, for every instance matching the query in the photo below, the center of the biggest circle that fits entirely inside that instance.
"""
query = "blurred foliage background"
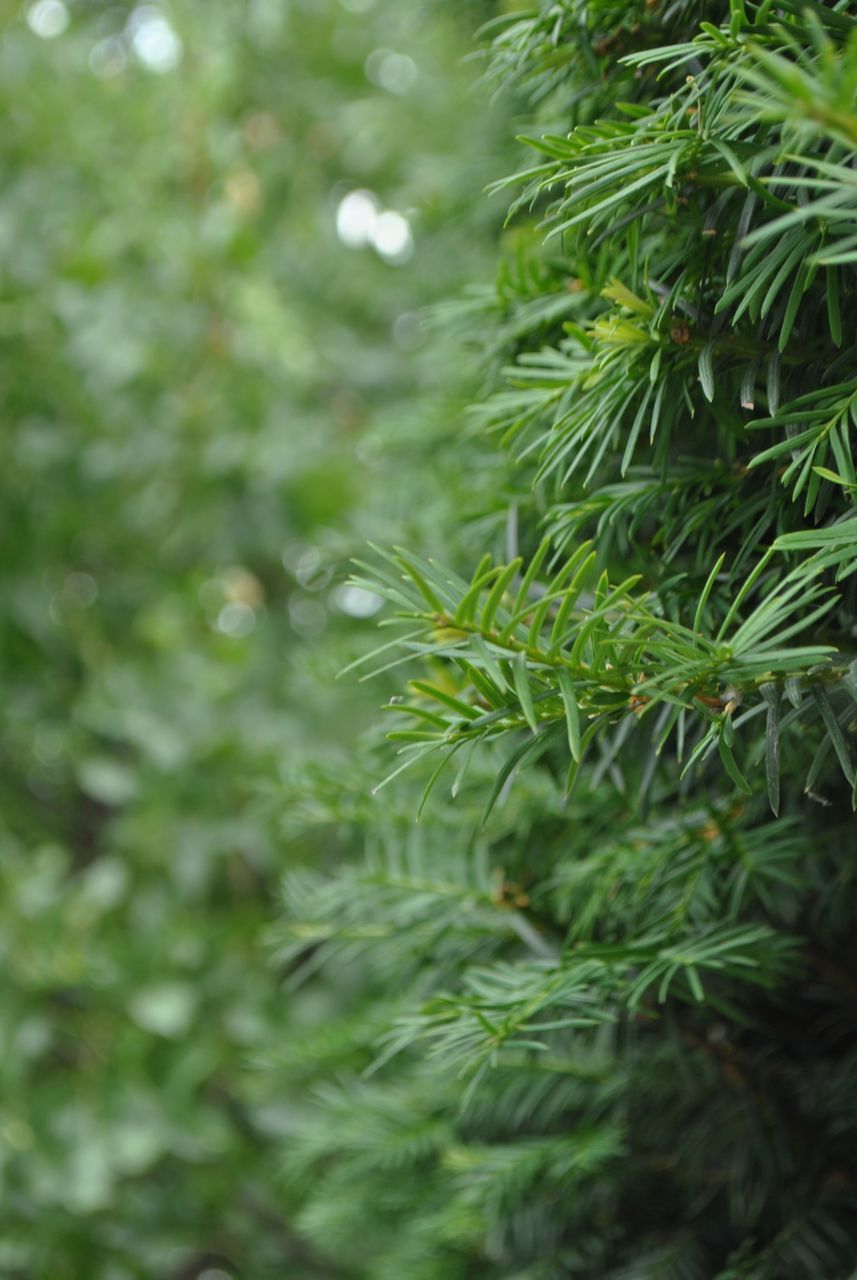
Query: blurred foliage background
(219, 224)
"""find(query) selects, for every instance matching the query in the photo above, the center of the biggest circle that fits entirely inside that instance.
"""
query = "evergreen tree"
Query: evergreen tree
(594, 1015)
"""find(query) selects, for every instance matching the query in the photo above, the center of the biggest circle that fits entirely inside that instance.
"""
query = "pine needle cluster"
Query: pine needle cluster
(603, 995)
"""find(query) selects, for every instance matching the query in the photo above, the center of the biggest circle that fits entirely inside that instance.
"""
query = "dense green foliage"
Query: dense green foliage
(201, 391)
(562, 985)
(600, 1000)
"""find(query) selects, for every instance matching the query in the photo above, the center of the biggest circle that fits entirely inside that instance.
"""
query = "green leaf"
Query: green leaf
(429, 787)
(706, 371)
(730, 764)
(771, 695)
(463, 709)
(572, 712)
(834, 315)
(428, 592)
(706, 592)
(527, 753)
(797, 292)
(570, 600)
(844, 531)
(834, 731)
(530, 575)
(522, 688)
(827, 474)
(497, 592)
(483, 575)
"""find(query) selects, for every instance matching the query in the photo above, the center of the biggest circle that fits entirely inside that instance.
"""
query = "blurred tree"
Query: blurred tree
(218, 226)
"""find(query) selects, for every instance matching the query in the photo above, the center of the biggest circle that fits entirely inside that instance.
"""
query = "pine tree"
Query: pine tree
(596, 1010)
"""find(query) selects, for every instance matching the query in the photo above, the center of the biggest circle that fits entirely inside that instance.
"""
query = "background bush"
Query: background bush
(200, 380)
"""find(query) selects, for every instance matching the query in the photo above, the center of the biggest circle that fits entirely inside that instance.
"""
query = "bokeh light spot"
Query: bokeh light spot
(357, 216)
(356, 602)
(236, 619)
(154, 42)
(48, 18)
(108, 58)
(395, 72)
(391, 237)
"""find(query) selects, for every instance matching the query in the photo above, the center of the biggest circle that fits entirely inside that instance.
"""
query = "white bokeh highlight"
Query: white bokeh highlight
(153, 40)
(356, 217)
(48, 18)
(392, 238)
(362, 222)
(356, 602)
